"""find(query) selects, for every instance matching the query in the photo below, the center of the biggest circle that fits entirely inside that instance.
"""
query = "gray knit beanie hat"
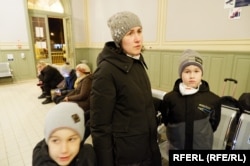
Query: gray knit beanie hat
(120, 23)
(190, 57)
(64, 115)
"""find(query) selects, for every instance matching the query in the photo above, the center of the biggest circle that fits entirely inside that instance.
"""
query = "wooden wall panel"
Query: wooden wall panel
(241, 72)
(153, 63)
(163, 68)
(214, 72)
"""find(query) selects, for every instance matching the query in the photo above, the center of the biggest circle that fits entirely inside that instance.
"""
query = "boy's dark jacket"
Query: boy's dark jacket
(191, 119)
(40, 157)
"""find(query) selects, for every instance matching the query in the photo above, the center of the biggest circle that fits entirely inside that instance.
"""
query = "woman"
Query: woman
(82, 87)
(122, 116)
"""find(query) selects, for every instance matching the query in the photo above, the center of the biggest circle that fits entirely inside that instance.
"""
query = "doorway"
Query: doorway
(51, 31)
(57, 40)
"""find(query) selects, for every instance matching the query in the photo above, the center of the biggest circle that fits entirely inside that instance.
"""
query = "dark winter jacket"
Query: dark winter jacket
(191, 119)
(86, 156)
(51, 76)
(81, 94)
(123, 118)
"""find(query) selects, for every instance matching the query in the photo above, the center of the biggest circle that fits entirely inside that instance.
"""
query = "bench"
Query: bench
(161, 129)
(5, 70)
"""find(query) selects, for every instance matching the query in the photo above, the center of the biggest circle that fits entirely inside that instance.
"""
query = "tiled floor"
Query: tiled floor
(21, 122)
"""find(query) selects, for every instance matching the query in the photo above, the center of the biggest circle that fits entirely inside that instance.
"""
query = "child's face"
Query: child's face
(191, 76)
(64, 145)
(132, 41)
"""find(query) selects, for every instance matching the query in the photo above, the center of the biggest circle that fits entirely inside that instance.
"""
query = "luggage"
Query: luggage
(230, 114)
(229, 100)
(244, 102)
(241, 139)
(221, 135)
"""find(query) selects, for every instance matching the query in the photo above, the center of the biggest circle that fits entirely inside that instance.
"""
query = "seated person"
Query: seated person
(40, 85)
(63, 143)
(66, 68)
(49, 78)
(60, 94)
(81, 92)
(82, 87)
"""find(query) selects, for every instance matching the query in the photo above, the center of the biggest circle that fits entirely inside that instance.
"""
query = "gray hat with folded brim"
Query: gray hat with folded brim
(190, 57)
(120, 23)
(64, 115)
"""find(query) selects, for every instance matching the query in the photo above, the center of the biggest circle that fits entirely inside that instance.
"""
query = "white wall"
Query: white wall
(79, 20)
(13, 27)
(175, 24)
(205, 20)
(100, 11)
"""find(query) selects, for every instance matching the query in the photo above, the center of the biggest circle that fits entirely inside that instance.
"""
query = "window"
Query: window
(46, 5)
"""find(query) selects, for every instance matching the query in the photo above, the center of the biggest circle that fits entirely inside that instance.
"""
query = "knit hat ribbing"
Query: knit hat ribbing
(64, 115)
(120, 23)
(190, 57)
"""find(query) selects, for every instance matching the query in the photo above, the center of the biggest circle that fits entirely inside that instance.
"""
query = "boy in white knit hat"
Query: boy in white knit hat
(191, 111)
(63, 145)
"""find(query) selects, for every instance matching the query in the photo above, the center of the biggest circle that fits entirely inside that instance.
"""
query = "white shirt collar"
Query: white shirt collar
(135, 57)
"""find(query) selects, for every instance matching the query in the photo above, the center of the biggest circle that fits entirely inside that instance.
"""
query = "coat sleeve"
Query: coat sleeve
(216, 115)
(48, 74)
(157, 103)
(40, 156)
(87, 154)
(164, 109)
(84, 91)
(103, 98)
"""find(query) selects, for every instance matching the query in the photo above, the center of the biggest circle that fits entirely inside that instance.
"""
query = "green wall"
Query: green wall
(23, 68)
(163, 67)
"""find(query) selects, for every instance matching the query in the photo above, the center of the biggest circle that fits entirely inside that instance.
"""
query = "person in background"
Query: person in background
(122, 115)
(69, 75)
(191, 111)
(66, 68)
(49, 78)
(81, 93)
(82, 87)
(60, 94)
(63, 143)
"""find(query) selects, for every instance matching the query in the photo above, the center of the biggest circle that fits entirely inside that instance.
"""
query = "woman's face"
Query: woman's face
(64, 145)
(191, 76)
(78, 73)
(132, 41)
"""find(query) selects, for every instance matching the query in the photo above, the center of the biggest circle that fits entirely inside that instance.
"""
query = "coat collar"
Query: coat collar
(118, 58)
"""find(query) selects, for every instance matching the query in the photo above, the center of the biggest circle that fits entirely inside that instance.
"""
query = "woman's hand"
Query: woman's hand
(66, 99)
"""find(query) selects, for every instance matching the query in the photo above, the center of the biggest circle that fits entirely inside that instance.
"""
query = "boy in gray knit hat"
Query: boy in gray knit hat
(191, 108)
(63, 143)
(190, 57)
